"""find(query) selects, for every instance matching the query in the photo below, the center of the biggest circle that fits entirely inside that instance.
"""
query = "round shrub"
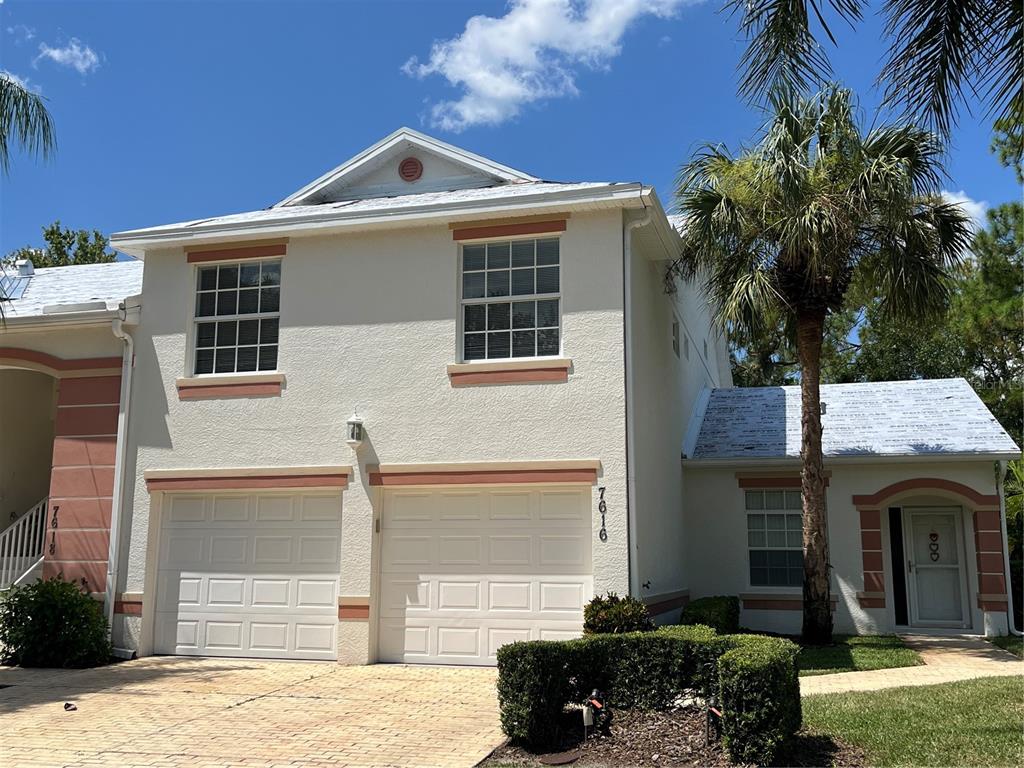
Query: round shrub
(722, 613)
(612, 615)
(53, 623)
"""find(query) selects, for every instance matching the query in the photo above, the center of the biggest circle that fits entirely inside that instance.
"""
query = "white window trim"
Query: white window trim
(191, 337)
(767, 588)
(461, 319)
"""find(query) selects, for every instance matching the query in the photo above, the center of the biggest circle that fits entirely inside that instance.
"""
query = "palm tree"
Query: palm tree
(787, 228)
(942, 52)
(23, 119)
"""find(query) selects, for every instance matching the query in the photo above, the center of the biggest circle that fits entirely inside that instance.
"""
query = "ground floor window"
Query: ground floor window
(775, 538)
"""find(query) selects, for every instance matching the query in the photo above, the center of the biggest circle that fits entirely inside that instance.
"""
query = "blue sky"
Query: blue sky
(168, 111)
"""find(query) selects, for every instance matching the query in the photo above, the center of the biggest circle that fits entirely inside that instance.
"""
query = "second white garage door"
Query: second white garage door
(464, 571)
(252, 575)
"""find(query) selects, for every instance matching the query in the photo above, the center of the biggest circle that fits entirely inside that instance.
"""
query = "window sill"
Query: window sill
(224, 385)
(533, 371)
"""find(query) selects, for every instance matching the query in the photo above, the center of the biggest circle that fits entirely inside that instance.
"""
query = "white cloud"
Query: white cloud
(75, 54)
(21, 33)
(531, 53)
(976, 209)
(24, 82)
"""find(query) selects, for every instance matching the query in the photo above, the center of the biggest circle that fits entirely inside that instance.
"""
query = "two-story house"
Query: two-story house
(429, 404)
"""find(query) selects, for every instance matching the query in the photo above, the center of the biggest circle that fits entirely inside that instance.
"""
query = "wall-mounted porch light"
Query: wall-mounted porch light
(355, 430)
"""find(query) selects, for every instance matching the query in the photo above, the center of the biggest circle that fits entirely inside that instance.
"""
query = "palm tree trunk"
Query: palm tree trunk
(817, 626)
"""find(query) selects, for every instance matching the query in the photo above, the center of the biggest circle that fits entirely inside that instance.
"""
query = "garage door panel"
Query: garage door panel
(252, 575)
(457, 582)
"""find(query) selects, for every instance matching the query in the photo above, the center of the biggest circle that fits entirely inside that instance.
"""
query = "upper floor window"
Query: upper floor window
(510, 299)
(237, 317)
(775, 538)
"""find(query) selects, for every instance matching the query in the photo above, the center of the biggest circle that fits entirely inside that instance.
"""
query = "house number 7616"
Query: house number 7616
(602, 507)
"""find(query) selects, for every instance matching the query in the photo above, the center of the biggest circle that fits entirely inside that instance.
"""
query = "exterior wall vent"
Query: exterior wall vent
(410, 169)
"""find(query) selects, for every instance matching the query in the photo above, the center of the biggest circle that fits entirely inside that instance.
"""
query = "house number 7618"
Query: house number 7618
(602, 507)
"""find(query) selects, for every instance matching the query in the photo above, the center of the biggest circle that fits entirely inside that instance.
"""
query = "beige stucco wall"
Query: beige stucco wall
(717, 544)
(27, 410)
(665, 390)
(369, 321)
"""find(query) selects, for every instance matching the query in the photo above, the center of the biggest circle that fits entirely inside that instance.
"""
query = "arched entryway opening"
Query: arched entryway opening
(944, 567)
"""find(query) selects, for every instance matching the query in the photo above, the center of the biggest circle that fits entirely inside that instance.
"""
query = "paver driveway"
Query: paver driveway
(163, 711)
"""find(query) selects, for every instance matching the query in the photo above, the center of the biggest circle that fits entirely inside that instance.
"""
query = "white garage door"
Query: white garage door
(464, 571)
(249, 575)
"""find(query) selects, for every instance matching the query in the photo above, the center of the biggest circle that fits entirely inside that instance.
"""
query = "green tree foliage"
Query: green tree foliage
(65, 247)
(782, 233)
(23, 121)
(942, 54)
(1008, 145)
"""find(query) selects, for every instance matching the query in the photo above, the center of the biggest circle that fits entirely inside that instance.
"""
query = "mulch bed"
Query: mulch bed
(669, 738)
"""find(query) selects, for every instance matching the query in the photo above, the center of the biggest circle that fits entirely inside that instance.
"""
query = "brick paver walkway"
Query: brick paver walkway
(163, 711)
(946, 660)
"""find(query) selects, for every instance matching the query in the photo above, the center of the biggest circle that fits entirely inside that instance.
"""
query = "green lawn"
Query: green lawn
(853, 653)
(970, 723)
(1014, 645)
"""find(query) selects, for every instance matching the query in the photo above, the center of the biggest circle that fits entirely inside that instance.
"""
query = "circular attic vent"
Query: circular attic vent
(410, 169)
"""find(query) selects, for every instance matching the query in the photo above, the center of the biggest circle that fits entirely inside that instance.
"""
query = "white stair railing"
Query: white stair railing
(21, 544)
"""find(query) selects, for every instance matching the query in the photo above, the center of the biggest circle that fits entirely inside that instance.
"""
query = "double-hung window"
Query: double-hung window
(237, 317)
(511, 299)
(775, 538)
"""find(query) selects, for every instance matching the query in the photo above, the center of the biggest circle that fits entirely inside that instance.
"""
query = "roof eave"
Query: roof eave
(137, 242)
(90, 317)
(872, 458)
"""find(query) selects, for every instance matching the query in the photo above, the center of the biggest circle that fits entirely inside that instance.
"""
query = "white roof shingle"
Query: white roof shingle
(79, 284)
(926, 418)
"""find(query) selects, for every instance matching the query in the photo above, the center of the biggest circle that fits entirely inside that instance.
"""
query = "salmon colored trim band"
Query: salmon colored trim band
(354, 612)
(663, 606)
(772, 482)
(925, 483)
(245, 482)
(485, 477)
(238, 252)
(128, 607)
(527, 376)
(58, 363)
(213, 391)
(506, 230)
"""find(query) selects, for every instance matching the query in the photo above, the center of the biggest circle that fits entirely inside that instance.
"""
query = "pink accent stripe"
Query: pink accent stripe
(354, 612)
(238, 252)
(506, 230)
(518, 376)
(664, 606)
(241, 482)
(485, 477)
(128, 607)
(58, 363)
(925, 483)
(213, 391)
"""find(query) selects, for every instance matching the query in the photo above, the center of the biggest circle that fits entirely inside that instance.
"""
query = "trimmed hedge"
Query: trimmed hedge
(759, 689)
(721, 613)
(612, 614)
(52, 623)
(758, 684)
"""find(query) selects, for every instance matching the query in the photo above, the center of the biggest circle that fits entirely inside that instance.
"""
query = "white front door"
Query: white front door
(935, 567)
(466, 570)
(252, 575)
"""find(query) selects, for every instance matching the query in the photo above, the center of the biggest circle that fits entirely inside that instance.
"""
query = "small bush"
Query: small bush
(722, 613)
(53, 623)
(616, 615)
(760, 696)
(646, 670)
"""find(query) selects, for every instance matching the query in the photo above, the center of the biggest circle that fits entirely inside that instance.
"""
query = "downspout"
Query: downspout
(127, 365)
(1006, 550)
(627, 308)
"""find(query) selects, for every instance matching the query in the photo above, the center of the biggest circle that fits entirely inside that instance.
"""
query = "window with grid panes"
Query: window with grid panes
(510, 299)
(775, 538)
(237, 317)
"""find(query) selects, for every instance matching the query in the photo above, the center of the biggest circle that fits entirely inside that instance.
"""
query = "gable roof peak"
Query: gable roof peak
(333, 183)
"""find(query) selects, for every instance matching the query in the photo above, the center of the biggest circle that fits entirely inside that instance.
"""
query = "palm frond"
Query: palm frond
(23, 120)
(937, 49)
(782, 51)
